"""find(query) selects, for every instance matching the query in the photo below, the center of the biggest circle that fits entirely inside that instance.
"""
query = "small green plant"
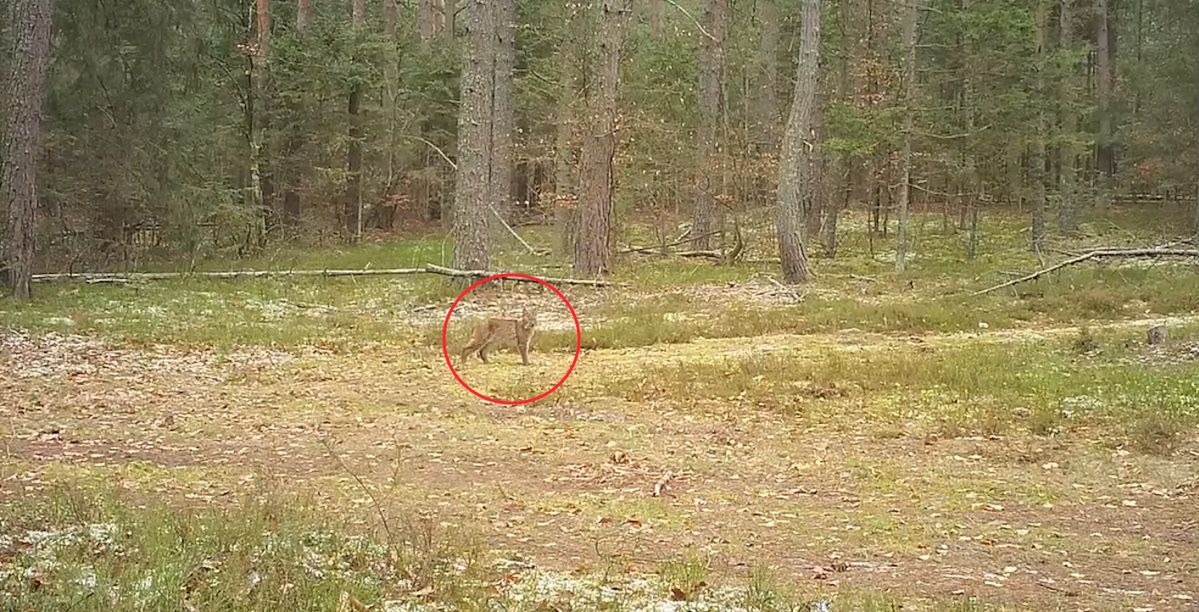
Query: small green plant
(1157, 433)
(764, 594)
(685, 576)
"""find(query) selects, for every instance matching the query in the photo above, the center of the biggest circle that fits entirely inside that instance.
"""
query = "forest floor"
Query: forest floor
(876, 441)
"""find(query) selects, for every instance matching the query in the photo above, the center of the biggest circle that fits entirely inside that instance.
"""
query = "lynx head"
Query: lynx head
(528, 317)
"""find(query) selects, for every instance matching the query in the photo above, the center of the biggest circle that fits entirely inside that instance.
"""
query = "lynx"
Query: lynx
(496, 331)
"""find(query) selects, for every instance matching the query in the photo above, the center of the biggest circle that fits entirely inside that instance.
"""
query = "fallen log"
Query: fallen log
(1096, 254)
(106, 277)
(434, 269)
(658, 249)
(100, 277)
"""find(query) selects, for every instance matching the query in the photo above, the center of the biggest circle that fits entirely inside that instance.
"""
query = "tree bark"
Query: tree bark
(292, 203)
(973, 182)
(905, 152)
(766, 102)
(431, 20)
(1105, 164)
(303, 15)
(797, 187)
(472, 191)
(29, 23)
(592, 249)
(266, 184)
(711, 63)
(1038, 152)
(566, 201)
(503, 122)
(657, 17)
(352, 197)
(1067, 213)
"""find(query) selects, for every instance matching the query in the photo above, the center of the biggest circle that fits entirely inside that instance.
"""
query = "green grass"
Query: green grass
(932, 296)
(1040, 386)
(65, 551)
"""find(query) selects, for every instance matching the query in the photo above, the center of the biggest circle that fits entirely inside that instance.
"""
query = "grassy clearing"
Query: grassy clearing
(797, 435)
(1041, 387)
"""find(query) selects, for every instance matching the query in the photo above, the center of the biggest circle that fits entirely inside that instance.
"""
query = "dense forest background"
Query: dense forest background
(219, 127)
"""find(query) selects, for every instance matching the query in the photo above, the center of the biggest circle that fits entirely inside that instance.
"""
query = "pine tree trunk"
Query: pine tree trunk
(599, 146)
(797, 187)
(431, 20)
(1104, 82)
(711, 61)
(905, 152)
(503, 123)
(657, 17)
(1038, 153)
(352, 198)
(566, 209)
(266, 184)
(973, 193)
(472, 190)
(295, 139)
(1067, 214)
(766, 102)
(250, 182)
(29, 23)
(391, 14)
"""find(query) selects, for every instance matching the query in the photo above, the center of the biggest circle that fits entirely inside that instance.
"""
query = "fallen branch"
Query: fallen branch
(433, 269)
(657, 250)
(693, 20)
(90, 277)
(1096, 254)
(701, 254)
(102, 277)
(529, 247)
(790, 290)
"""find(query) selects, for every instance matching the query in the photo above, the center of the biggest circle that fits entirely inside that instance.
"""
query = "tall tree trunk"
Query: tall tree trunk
(266, 184)
(711, 62)
(303, 15)
(472, 191)
(1038, 150)
(352, 198)
(657, 17)
(797, 185)
(24, 91)
(592, 249)
(1067, 154)
(250, 183)
(431, 20)
(766, 102)
(391, 85)
(905, 152)
(295, 139)
(1105, 163)
(566, 201)
(503, 119)
(973, 191)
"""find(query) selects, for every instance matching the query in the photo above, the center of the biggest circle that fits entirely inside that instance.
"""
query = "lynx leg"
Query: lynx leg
(466, 352)
(483, 351)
